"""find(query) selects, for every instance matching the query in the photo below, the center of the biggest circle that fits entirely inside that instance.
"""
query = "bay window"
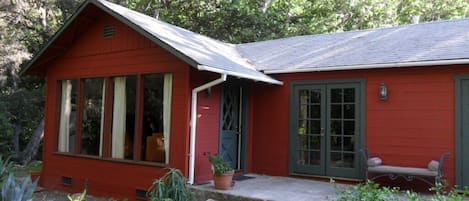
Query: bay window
(123, 117)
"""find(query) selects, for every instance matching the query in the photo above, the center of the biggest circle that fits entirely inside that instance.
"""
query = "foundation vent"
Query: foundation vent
(109, 31)
(66, 181)
(141, 194)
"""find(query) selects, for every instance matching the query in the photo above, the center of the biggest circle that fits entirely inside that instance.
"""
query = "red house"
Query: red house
(128, 95)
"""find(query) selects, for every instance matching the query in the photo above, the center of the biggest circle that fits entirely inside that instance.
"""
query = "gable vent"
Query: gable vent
(109, 31)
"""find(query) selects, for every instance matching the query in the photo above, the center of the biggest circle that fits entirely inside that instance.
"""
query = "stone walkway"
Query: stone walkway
(270, 188)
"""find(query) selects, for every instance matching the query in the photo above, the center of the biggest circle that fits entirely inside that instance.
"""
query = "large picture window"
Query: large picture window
(123, 117)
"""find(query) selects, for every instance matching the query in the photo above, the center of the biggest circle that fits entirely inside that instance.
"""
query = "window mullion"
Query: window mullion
(139, 119)
(79, 119)
(107, 117)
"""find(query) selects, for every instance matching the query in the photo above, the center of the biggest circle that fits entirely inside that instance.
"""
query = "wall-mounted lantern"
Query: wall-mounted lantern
(383, 91)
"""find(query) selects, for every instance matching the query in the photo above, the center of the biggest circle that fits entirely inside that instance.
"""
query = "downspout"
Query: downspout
(194, 122)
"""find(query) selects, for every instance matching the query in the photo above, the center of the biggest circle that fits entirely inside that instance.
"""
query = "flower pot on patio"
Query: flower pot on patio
(222, 172)
(224, 181)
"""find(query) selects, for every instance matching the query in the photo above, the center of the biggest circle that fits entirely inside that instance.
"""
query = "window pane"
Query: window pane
(68, 114)
(123, 120)
(153, 136)
(93, 106)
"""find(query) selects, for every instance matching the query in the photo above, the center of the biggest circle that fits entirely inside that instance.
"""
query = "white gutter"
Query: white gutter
(264, 78)
(194, 122)
(371, 66)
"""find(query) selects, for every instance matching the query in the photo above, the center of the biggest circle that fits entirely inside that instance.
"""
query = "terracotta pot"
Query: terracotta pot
(35, 174)
(224, 181)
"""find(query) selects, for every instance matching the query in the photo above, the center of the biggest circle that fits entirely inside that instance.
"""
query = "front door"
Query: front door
(462, 134)
(232, 131)
(325, 129)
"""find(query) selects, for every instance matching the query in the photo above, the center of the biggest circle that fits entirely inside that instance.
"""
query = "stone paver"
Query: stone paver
(271, 188)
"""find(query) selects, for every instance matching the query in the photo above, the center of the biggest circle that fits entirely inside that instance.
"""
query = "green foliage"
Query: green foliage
(5, 167)
(219, 166)
(170, 187)
(79, 196)
(371, 191)
(368, 191)
(13, 190)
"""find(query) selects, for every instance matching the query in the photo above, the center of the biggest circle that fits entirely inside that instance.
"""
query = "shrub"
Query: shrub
(170, 187)
(5, 167)
(13, 190)
(371, 191)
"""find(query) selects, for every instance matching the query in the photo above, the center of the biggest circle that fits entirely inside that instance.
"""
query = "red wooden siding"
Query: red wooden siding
(208, 124)
(91, 55)
(414, 126)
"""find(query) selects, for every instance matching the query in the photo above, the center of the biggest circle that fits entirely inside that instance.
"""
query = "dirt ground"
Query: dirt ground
(46, 195)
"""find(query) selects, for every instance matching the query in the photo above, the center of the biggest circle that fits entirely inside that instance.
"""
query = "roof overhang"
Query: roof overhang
(370, 66)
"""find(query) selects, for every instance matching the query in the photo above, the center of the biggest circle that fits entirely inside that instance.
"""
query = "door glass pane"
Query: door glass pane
(314, 142)
(336, 95)
(349, 95)
(314, 127)
(342, 127)
(315, 111)
(315, 158)
(309, 127)
(336, 111)
(336, 127)
(336, 143)
(349, 111)
(349, 143)
(349, 127)
(93, 116)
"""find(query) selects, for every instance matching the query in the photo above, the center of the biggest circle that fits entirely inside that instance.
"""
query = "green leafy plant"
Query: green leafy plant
(367, 191)
(219, 166)
(5, 167)
(22, 190)
(371, 191)
(170, 187)
(79, 196)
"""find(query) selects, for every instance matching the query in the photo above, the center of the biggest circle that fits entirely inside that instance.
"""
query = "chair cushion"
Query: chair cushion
(403, 170)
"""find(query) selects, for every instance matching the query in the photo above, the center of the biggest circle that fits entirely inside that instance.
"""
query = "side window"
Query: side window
(125, 121)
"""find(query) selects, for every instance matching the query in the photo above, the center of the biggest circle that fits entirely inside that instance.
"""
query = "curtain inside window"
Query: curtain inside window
(65, 111)
(167, 93)
(118, 118)
(101, 131)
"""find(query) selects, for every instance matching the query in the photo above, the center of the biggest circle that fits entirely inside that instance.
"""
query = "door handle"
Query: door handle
(322, 132)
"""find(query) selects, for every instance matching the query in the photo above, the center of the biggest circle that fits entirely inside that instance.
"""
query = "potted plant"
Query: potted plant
(222, 172)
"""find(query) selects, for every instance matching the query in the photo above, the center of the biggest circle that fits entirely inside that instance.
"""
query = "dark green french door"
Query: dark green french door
(325, 134)
(462, 131)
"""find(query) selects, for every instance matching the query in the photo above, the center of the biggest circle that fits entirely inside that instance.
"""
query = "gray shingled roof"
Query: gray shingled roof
(208, 53)
(425, 44)
(409, 45)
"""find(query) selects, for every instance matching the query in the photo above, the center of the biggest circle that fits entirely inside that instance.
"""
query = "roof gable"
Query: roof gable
(197, 50)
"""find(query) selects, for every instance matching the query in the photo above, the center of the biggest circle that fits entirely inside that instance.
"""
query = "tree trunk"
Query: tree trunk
(32, 148)
(16, 139)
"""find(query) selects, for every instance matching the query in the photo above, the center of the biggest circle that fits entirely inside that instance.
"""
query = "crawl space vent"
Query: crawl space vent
(141, 194)
(109, 31)
(67, 181)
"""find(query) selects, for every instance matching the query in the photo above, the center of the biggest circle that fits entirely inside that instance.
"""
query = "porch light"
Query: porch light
(383, 92)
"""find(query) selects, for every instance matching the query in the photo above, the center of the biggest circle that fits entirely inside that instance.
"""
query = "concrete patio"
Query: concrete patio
(262, 187)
